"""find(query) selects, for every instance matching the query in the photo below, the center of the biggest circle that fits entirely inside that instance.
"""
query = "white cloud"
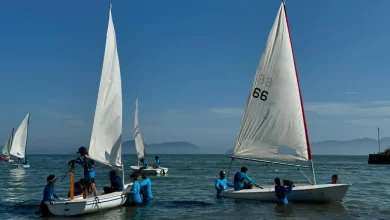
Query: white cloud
(227, 111)
(70, 119)
(361, 110)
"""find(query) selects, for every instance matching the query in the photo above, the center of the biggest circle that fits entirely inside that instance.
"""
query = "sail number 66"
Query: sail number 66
(257, 93)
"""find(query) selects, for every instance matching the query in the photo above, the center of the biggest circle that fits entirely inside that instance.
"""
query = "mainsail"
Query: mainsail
(139, 144)
(19, 142)
(8, 144)
(106, 139)
(274, 114)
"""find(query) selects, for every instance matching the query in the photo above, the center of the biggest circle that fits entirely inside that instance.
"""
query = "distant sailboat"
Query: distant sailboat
(7, 148)
(19, 142)
(106, 140)
(274, 117)
(140, 148)
(380, 157)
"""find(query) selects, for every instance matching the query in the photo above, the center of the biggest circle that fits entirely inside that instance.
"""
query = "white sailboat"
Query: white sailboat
(140, 148)
(7, 147)
(19, 142)
(274, 116)
(106, 139)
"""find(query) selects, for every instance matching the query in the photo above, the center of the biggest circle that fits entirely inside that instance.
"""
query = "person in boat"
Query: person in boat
(48, 195)
(135, 189)
(25, 161)
(281, 191)
(221, 184)
(89, 171)
(146, 188)
(334, 179)
(157, 163)
(240, 183)
(116, 183)
(78, 188)
(144, 164)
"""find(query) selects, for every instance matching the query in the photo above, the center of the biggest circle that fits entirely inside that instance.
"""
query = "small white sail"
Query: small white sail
(274, 113)
(106, 139)
(139, 144)
(19, 142)
(8, 144)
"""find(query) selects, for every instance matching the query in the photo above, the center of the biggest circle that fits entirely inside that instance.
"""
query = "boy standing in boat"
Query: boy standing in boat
(48, 195)
(89, 171)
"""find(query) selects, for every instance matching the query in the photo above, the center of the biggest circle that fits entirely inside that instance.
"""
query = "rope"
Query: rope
(305, 176)
(97, 204)
(229, 168)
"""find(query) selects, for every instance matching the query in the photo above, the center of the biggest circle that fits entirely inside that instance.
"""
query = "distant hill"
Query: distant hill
(128, 147)
(363, 146)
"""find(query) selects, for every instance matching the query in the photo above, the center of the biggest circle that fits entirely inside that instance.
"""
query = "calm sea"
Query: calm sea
(187, 192)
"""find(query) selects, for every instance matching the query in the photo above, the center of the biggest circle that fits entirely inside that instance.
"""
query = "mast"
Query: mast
(28, 125)
(300, 97)
(379, 142)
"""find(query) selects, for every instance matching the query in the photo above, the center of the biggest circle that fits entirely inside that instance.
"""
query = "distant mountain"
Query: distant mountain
(363, 146)
(128, 147)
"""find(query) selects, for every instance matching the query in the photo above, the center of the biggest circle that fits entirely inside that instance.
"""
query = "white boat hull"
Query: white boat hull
(80, 206)
(151, 170)
(22, 166)
(300, 193)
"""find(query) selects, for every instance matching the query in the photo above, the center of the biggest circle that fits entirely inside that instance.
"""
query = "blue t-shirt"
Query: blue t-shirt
(117, 183)
(48, 194)
(239, 178)
(157, 163)
(146, 189)
(89, 171)
(222, 185)
(135, 192)
(145, 165)
(281, 193)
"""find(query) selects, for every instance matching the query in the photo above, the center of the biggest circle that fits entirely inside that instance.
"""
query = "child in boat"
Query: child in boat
(146, 188)
(281, 191)
(157, 163)
(239, 180)
(26, 161)
(78, 187)
(89, 171)
(334, 179)
(48, 195)
(144, 164)
(116, 183)
(221, 184)
(135, 190)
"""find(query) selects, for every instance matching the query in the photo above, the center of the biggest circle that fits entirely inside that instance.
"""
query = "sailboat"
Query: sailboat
(140, 148)
(19, 142)
(6, 149)
(274, 116)
(106, 140)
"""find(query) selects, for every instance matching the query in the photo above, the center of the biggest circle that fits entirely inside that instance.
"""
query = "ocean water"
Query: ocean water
(187, 191)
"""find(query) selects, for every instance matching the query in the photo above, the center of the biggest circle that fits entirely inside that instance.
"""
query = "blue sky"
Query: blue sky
(192, 63)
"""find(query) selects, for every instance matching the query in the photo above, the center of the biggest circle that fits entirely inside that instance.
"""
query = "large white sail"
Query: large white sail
(274, 113)
(139, 144)
(19, 142)
(8, 144)
(106, 139)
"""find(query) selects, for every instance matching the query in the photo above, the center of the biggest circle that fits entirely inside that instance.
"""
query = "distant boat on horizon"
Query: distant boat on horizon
(380, 157)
